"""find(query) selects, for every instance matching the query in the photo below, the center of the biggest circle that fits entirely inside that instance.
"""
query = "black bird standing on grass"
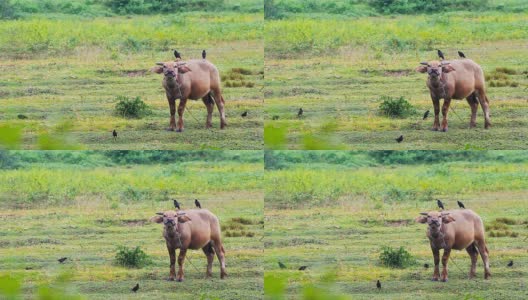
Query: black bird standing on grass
(441, 55)
(378, 285)
(426, 266)
(399, 139)
(460, 204)
(244, 114)
(176, 204)
(426, 114)
(197, 203)
(461, 54)
(177, 54)
(440, 204)
(302, 268)
(510, 264)
(300, 113)
(203, 54)
(136, 288)
(282, 266)
(114, 133)
(62, 260)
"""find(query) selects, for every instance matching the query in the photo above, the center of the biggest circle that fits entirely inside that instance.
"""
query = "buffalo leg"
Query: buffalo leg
(483, 100)
(473, 253)
(220, 253)
(436, 105)
(445, 111)
(172, 107)
(209, 103)
(445, 260)
(181, 110)
(436, 256)
(172, 255)
(181, 260)
(209, 252)
(473, 103)
(483, 250)
(219, 100)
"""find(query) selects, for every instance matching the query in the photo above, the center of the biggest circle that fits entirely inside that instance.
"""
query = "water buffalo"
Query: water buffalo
(456, 229)
(192, 229)
(193, 80)
(456, 79)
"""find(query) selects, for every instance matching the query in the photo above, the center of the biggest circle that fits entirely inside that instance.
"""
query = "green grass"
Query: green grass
(338, 69)
(72, 69)
(88, 227)
(340, 240)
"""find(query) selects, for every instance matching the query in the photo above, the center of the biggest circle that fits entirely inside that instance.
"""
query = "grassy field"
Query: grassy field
(58, 69)
(337, 69)
(84, 212)
(335, 218)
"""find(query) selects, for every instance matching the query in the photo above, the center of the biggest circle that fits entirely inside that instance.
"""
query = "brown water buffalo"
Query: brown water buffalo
(192, 229)
(194, 79)
(456, 229)
(456, 79)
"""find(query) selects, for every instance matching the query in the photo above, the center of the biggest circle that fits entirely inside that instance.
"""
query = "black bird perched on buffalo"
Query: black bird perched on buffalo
(510, 264)
(399, 139)
(197, 203)
(378, 285)
(282, 266)
(176, 204)
(114, 133)
(426, 114)
(460, 204)
(300, 112)
(136, 288)
(62, 260)
(203, 54)
(440, 204)
(302, 268)
(441, 55)
(177, 54)
(461, 54)
(244, 114)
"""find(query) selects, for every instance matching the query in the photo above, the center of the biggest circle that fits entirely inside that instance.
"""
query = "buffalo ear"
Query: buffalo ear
(156, 219)
(421, 69)
(421, 219)
(183, 219)
(183, 69)
(448, 219)
(447, 68)
(157, 69)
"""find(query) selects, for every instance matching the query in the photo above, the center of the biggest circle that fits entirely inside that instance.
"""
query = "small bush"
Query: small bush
(395, 258)
(131, 258)
(396, 107)
(131, 108)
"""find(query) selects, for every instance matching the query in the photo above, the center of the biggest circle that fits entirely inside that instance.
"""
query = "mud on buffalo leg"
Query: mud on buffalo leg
(436, 105)
(220, 105)
(181, 110)
(445, 111)
(209, 103)
(220, 253)
(436, 256)
(172, 107)
(473, 253)
(483, 250)
(181, 260)
(209, 252)
(473, 103)
(483, 99)
(445, 260)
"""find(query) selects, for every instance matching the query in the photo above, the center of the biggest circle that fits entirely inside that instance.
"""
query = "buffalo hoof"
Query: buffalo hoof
(444, 280)
(434, 279)
(179, 280)
(223, 276)
(179, 130)
(170, 129)
(444, 129)
(487, 126)
(434, 129)
(170, 279)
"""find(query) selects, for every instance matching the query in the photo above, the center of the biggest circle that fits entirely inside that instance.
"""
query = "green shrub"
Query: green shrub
(395, 258)
(421, 6)
(131, 258)
(131, 108)
(396, 107)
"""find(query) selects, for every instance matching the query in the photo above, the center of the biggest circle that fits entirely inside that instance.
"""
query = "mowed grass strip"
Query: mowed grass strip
(338, 229)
